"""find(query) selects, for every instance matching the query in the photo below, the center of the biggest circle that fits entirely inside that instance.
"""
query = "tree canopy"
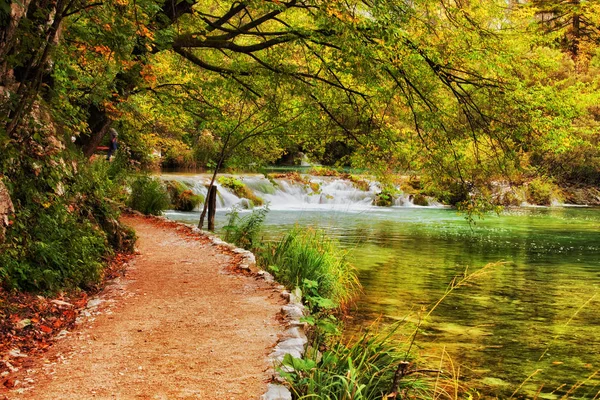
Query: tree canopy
(460, 91)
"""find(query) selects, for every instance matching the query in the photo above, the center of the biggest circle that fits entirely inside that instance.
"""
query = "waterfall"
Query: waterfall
(312, 192)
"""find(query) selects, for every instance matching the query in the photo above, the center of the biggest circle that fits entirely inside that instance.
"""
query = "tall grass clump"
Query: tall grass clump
(308, 259)
(366, 368)
(245, 231)
(148, 196)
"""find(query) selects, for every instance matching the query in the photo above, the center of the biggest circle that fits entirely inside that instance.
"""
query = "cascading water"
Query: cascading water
(286, 194)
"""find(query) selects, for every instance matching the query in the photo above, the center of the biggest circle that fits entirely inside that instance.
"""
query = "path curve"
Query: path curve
(183, 327)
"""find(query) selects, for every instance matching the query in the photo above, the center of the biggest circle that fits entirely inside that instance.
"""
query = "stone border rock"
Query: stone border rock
(293, 341)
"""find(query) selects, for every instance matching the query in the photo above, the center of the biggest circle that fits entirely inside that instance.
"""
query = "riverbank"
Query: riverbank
(181, 323)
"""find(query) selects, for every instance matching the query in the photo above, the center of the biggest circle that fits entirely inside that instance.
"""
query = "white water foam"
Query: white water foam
(321, 193)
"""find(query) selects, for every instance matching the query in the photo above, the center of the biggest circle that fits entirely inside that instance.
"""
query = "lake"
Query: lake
(538, 310)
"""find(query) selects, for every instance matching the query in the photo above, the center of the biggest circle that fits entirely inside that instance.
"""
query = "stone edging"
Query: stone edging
(293, 340)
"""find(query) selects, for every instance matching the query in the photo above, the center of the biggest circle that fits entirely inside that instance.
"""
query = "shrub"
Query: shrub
(541, 191)
(148, 196)
(65, 224)
(448, 191)
(420, 200)
(385, 198)
(307, 259)
(244, 232)
(240, 189)
(182, 197)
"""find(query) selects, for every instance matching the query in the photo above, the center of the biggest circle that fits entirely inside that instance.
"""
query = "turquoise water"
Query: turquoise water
(537, 310)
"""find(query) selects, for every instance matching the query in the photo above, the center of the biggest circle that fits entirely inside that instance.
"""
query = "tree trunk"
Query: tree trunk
(212, 208)
(8, 34)
(205, 206)
(6, 209)
(576, 32)
(96, 139)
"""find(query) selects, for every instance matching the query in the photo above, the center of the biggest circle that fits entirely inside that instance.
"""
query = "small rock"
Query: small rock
(62, 334)
(94, 303)
(293, 311)
(16, 353)
(266, 276)
(10, 367)
(294, 346)
(296, 296)
(61, 303)
(277, 392)
(295, 332)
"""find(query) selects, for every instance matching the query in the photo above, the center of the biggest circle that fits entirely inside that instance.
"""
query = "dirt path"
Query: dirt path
(183, 327)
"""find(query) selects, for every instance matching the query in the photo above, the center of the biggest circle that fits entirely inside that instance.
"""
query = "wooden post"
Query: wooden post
(212, 208)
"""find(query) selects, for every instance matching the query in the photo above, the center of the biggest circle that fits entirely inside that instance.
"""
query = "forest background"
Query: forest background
(462, 94)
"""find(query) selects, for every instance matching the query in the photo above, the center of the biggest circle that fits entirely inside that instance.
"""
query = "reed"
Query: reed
(308, 259)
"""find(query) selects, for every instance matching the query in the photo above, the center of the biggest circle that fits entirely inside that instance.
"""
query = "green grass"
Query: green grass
(364, 368)
(148, 196)
(245, 231)
(310, 260)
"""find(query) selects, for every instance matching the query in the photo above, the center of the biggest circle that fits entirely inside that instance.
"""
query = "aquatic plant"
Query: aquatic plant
(244, 231)
(420, 200)
(306, 255)
(385, 198)
(359, 183)
(363, 369)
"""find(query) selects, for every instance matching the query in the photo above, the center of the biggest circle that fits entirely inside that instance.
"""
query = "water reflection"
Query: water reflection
(522, 316)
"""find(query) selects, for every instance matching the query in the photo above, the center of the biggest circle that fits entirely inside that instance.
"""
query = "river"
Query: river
(536, 311)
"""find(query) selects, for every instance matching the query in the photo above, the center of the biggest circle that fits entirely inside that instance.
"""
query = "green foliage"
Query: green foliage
(148, 195)
(362, 369)
(385, 198)
(240, 189)
(59, 238)
(360, 183)
(420, 200)
(182, 197)
(309, 260)
(205, 148)
(245, 231)
(542, 191)
(448, 191)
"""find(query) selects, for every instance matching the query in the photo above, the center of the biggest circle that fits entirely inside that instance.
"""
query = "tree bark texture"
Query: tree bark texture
(212, 208)
(6, 209)
(96, 139)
